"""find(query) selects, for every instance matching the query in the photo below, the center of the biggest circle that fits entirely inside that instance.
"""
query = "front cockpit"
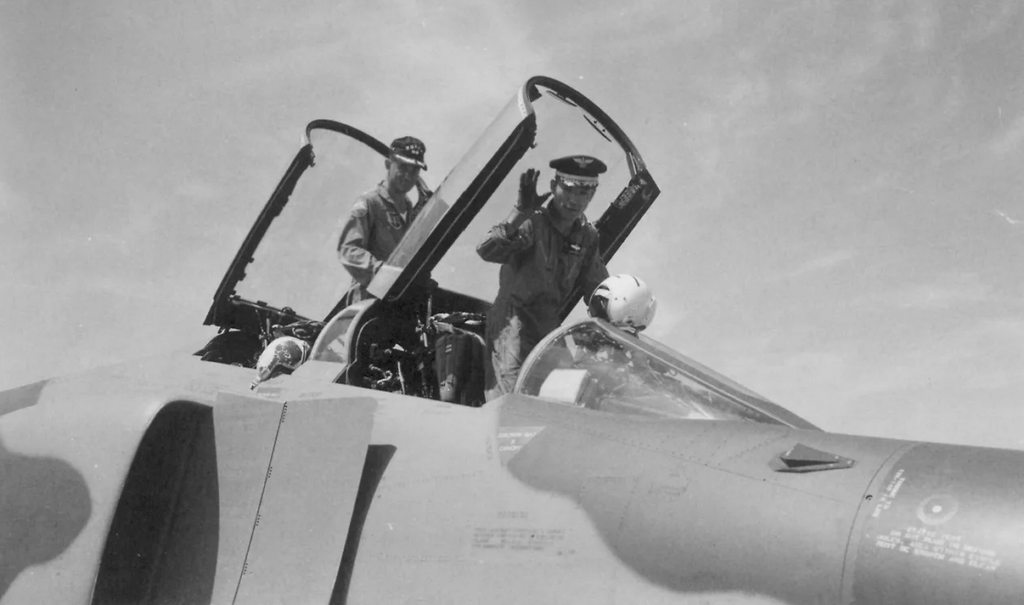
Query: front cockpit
(595, 365)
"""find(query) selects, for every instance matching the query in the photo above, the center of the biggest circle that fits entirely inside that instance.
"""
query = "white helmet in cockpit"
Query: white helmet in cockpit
(625, 301)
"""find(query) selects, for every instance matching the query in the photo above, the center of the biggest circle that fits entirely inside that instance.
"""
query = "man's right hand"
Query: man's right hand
(529, 199)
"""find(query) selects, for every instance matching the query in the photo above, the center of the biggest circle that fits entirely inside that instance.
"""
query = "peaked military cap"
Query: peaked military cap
(578, 170)
(409, 150)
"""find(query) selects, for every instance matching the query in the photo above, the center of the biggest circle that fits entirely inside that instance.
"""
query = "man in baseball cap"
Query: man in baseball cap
(380, 217)
(408, 150)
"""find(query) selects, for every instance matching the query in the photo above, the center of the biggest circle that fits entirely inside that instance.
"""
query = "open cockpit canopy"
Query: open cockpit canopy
(288, 266)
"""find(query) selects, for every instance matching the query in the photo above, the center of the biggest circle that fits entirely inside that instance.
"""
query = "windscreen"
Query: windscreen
(592, 365)
(296, 264)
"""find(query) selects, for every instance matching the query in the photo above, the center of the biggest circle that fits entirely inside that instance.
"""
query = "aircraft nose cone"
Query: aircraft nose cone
(945, 528)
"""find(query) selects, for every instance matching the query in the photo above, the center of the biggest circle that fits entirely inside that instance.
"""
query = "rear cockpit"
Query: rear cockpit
(433, 292)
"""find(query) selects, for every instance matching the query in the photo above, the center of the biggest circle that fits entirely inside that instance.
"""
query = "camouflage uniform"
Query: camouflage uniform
(370, 235)
(540, 266)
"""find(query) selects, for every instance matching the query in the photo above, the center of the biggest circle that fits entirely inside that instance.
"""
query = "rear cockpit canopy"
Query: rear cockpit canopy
(289, 260)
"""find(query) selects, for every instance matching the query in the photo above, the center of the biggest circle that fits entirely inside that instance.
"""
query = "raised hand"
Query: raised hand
(529, 200)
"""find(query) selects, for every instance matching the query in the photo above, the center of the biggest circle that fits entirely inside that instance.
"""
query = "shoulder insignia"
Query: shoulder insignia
(359, 209)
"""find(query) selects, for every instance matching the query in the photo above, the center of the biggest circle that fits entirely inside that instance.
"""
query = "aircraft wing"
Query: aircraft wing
(122, 487)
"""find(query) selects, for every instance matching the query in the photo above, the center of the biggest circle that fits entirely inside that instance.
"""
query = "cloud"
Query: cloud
(924, 23)
(197, 189)
(1006, 217)
(337, 48)
(821, 263)
(1009, 140)
(806, 381)
(945, 292)
(819, 370)
(990, 17)
(884, 181)
(840, 387)
(980, 357)
(938, 296)
(8, 200)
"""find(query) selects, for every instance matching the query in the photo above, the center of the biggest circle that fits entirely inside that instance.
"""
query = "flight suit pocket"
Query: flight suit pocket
(573, 263)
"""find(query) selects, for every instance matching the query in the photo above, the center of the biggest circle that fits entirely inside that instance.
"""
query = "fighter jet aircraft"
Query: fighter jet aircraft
(311, 454)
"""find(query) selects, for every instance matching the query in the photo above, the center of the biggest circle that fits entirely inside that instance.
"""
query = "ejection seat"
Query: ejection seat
(399, 348)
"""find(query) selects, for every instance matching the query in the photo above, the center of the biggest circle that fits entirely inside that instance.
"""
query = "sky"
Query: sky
(841, 217)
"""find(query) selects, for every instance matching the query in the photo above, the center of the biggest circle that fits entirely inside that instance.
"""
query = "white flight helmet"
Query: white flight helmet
(625, 301)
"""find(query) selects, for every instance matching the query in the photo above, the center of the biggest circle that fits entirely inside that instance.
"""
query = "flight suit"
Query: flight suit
(370, 234)
(540, 267)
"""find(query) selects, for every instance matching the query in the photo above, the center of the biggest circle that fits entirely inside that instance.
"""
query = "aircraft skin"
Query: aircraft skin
(172, 479)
